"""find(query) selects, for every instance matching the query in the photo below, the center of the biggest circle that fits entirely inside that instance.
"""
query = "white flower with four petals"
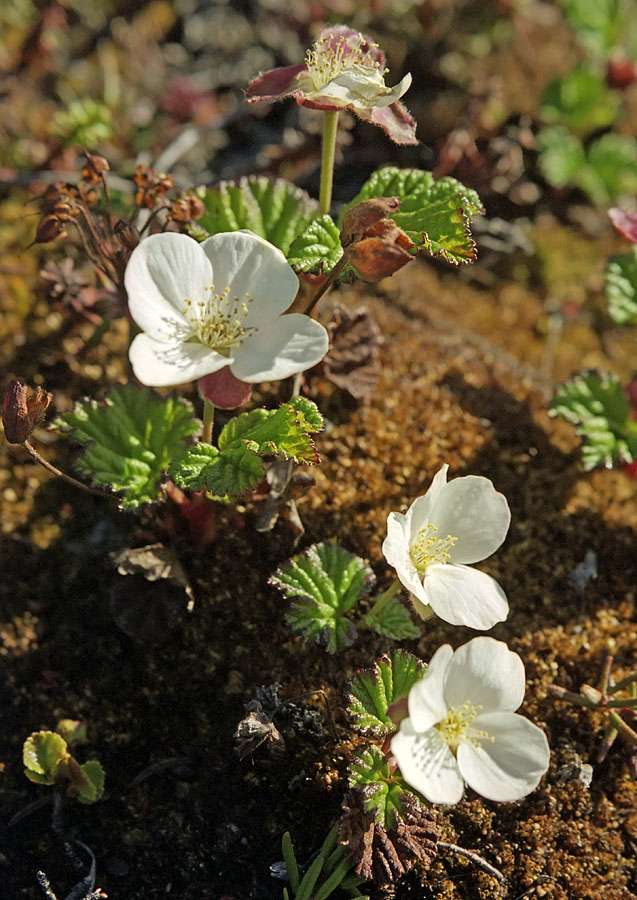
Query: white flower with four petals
(462, 727)
(433, 544)
(202, 307)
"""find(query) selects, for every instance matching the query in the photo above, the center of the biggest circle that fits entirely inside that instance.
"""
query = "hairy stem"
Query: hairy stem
(330, 125)
(327, 284)
(208, 420)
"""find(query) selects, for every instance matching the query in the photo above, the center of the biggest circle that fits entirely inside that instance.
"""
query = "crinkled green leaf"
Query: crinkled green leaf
(42, 753)
(237, 465)
(612, 168)
(274, 209)
(318, 248)
(621, 288)
(130, 440)
(369, 772)
(581, 100)
(603, 26)
(596, 404)
(393, 620)
(326, 581)
(436, 215)
(92, 787)
(374, 690)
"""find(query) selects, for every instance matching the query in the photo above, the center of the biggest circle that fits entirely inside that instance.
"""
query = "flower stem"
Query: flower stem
(385, 597)
(33, 453)
(330, 125)
(327, 284)
(208, 420)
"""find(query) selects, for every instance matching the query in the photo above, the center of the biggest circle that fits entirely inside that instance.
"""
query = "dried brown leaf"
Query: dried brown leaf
(353, 360)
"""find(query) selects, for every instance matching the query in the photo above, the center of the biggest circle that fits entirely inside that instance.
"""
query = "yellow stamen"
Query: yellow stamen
(455, 728)
(428, 549)
(329, 57)
(218, 321)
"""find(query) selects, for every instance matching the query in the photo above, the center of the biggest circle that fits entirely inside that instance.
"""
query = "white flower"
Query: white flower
(202, 307)
(462, 727)
(430, 546)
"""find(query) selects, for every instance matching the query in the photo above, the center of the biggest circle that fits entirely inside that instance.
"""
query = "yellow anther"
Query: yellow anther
(428, 548)
(329, 57)
(456, 728)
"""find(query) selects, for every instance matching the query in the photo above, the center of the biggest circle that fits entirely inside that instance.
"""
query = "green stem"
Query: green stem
(208, 420)
(628, 680)
(385, 597)
(330, 125)
(623, 729)
(327, 284)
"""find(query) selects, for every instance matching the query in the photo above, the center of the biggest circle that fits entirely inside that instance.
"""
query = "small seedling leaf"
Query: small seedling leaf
(274, 209)
(310, 878)
(581, 101)
(621, 288)
(369, 772)
(129, 440)
(393, 620)
(91, 787)
(596, 404)
(374, 690)
(42, 753)
(435, 215)
(318, 248)
(291, 864)
(326, 581)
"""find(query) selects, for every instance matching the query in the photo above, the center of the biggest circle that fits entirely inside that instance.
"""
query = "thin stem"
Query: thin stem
(327, 284)
(478, 860)
(208, 420)
(623, 729)
(383, 599)
(624, 682)
(606, 673)
(55, 471)
(330, 125)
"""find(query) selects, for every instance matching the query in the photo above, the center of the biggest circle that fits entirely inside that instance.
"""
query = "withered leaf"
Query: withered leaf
(353, 360)
(360, 218)
(381, 855)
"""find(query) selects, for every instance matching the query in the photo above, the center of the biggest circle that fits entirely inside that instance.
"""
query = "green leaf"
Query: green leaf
(310, 878)
(42, 753)
(436, 215)
(291, 864)
(596, 404)
(92, 788)
(274, 209)
(326, 582)
(612, 168)
(561, 156)
(581, 101)
(603, 26)
(129, 440)
(369, 772)
(393, 620)
(318, 248)
(621, 288)
(237, 465)
(374, 690)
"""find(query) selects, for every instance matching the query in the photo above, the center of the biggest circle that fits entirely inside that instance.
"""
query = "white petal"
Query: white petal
(471, 510)
(161, 364)
(288, 345)
(396, 551)
(252, 268)
(162, 272)
(363, 87)
(426, 700)
(464, 596)
(509, 766)
(419, 513)
(488, 674)
(427, 764)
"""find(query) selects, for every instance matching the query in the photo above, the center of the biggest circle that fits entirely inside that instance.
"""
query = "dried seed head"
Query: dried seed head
(51, 228)
(127, 234)
(358, 220)
(22, 413)
(185, 209)
(94, 168)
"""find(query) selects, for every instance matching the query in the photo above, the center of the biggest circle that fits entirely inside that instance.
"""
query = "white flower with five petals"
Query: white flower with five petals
(202, 307)
(433, 544)
(463, 728)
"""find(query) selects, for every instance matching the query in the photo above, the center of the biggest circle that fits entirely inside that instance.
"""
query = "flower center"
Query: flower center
(219, 321)
(428, 548)
(456, 726)
(330, 56)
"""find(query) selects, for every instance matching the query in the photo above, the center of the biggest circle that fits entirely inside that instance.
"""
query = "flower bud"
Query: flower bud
(21, 413)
